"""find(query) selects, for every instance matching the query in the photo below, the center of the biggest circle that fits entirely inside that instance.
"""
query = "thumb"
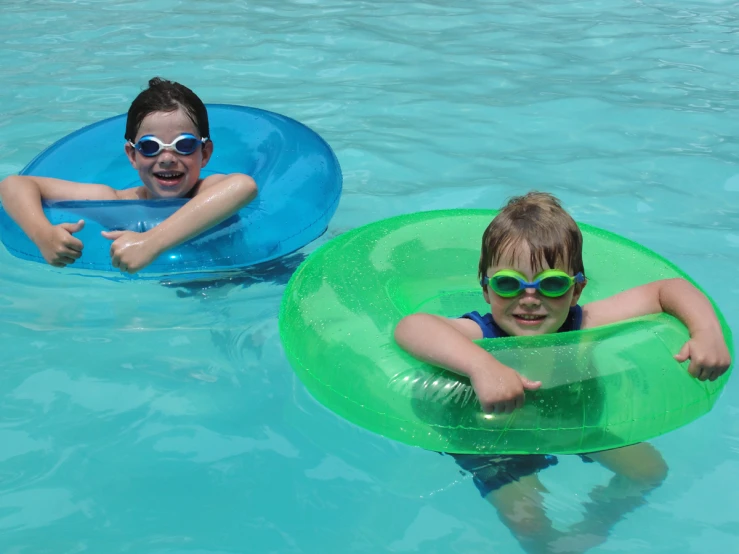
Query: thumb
(111, 235)
(528, 384)
(73, 227)
(684, 353)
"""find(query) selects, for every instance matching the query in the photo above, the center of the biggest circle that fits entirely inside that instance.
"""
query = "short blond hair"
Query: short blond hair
(538, 220)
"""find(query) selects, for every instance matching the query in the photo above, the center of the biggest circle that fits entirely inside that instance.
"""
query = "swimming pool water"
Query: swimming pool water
(137, 417)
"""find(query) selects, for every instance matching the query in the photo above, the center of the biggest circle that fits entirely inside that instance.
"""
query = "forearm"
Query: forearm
(432, 340)
(682, 300)
(204, 211)
(22, 199)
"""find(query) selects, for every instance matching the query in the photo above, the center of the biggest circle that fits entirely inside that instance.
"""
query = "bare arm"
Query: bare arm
(217, 200)
(447, 343)
(22, 198)
(707, 348)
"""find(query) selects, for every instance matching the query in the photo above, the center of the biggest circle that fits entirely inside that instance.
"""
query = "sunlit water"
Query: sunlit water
(136, 417)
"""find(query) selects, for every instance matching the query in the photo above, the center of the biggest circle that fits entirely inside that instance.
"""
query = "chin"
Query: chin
(175, 192)
(529, 332)
(171, 193)
(516, 330)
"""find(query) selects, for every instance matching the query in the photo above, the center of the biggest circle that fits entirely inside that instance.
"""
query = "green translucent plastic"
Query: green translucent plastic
(603, 388)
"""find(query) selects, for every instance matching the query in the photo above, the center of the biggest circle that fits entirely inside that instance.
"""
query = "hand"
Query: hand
(500, 389)
(709, 357)
(58, 247)
(130, 251)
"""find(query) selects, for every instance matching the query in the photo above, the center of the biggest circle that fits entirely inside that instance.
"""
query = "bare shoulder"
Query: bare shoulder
(135, 193)
(467, 327)
(212, 180)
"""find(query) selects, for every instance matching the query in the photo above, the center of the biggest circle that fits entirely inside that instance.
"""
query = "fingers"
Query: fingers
(717, 372)
(528, 384)
(67, 259)
(63, 261)
(70, 253)
(707, 370)
(71, 247)
(112, 235)
(694, 369)
(74, 244)
(708, 361)
(684, 353)
(66, 255)
(503, 407)
(116, 261)
(73, 227)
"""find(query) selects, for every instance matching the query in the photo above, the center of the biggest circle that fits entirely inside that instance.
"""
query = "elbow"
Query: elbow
(403, 329)
(408, 327)
(400, 330)
(237, 190)
(4, 186)
(675, 285)
(247, 190)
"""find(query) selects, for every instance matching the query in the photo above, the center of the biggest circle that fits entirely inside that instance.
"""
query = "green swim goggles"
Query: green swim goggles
(552, 283)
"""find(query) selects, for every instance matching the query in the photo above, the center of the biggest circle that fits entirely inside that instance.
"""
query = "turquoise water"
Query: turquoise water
(136, 417)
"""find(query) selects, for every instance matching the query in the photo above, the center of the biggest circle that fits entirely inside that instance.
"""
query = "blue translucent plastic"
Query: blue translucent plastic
(298, 175)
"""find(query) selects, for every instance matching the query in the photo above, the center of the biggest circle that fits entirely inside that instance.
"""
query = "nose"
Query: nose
(529, 297)
(166, 158)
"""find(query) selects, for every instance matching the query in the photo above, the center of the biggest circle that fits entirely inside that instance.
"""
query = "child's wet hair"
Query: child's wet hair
(537, 220)
(166, 96)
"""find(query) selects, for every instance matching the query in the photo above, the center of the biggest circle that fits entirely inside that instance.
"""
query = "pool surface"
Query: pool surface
(163, 418)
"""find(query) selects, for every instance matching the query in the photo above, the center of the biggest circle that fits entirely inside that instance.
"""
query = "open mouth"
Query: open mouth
(169, 178)
(529, 319)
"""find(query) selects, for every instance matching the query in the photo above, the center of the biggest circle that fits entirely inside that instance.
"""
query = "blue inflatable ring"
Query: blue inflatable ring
(298, 175)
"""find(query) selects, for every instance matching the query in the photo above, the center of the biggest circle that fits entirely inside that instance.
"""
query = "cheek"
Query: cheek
(143, 164)
(194, 163)
(498, 304)
(560, 306)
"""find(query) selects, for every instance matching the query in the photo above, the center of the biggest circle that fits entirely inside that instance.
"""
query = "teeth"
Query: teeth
(530, 317)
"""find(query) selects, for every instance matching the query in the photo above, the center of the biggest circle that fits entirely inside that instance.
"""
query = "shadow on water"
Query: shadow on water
(276, 272)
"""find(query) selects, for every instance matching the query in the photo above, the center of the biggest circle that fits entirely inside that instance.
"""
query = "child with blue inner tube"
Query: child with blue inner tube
(532, 275)
(168, 142)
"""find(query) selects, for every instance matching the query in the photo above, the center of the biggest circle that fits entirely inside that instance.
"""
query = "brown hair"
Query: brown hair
(166, 96)
(538, 220)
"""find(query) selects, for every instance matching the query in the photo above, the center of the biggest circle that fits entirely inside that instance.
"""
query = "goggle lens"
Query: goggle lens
(148, 147)
(505, 285)
(184, 145)
(509, 283)
(555, 285)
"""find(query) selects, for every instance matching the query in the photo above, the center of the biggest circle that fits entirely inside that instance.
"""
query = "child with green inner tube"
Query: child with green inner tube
(532, 275)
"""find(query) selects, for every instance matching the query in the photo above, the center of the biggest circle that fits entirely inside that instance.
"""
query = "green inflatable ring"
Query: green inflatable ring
(603, 388)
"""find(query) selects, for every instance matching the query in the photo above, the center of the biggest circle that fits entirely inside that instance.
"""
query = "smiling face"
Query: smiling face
(529, 313)
(168, 174)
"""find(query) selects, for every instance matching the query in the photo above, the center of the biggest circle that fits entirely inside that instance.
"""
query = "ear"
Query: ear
(131, 154)
(577, 292)
(486, 294)
(207, 153)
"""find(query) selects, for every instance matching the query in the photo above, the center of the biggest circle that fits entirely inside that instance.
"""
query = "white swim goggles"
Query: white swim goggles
(185, 144)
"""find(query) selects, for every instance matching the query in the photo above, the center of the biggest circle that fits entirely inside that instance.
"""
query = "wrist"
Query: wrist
(154, 242)
(488, 367)
(710, 328)
(40, 232)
